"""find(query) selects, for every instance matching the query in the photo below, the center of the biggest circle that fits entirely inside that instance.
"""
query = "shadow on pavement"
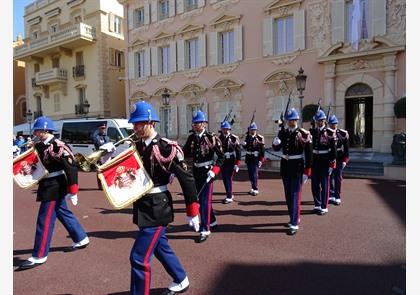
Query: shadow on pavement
(115, 211)
(237, 228)
(157, 291)
(112, 235)
(309, 278)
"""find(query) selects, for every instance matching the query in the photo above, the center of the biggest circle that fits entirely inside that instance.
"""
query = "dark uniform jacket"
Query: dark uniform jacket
(342, 145)
(293, 143)
(99, 139)
(231, 148)
(56, 156)
(254, 147)
(324, 140)
(157, 209)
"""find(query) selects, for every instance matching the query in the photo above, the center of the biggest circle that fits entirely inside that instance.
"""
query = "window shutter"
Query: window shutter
(213, 54)
(238, 42)
(122, 59)
(111, 22)
(299, 29)
(268, 36)
(172, 56)
(171, 8)
(202, 50)
(337, 21)
(201, 3)
(154, 52)
(112, 56)
(147, 62)
(133, 66)
(183, 130)
(180, 6)
(181, 55)
(131, 15)
(146, 13)
(377, 18)
(154, 9)
(173, 130)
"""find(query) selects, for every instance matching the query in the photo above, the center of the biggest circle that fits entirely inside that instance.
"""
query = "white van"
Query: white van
(23, 129)
(77, 133)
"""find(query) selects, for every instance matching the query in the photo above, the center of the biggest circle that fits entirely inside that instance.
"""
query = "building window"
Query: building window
(192, 53)
(56, 102)
(54, 28)
(140, 64)
(283, 32)
(362, 24)
(38, 103)
(165, 125)
(77, 19)
(117, 24)
(55, 62)
(36, 68)
(226, 47)
(163, 9)
(82, 95)
(116, 58)
(164, 60)
(35, 35)
(139, 17)
(191, 110)
(191, 4)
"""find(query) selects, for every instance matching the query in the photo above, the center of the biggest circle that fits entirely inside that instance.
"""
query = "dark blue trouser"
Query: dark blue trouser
(320, 182)
(292, 191)
(206, 209)
(335, 181)
(253, 175)
(152, 241)
(47, 214)
(227, 175)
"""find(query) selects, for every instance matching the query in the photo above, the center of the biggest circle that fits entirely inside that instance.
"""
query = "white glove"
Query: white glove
(259, 164)
(236, 168)
(305, 178)
(330, 170)
(276, 141)
(211, 174)
(171, 178)
(344, 165)
(194, 222)
(109, 147)
(72, 198)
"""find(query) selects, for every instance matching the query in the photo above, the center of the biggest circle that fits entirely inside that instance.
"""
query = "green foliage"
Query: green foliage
(308, 112)
(399, 108)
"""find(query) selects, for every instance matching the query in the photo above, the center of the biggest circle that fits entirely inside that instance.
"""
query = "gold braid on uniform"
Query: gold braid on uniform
(156, 154)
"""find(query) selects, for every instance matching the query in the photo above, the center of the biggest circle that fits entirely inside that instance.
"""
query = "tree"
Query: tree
(399, 108)
(308, 112)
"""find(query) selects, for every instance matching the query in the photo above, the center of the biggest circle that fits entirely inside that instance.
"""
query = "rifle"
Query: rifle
(252, 120)
(317, 110)
(328, 113)
(281, 120)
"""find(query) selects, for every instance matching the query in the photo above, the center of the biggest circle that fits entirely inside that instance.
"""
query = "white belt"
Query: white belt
(208, 163)
(227, 155)
(339, 149)
(253, 153)
(54, 174)
(320, 152)
(158, 189)
(292, 157)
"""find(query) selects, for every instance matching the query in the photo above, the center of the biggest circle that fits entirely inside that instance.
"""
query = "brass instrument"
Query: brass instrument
(85, 163)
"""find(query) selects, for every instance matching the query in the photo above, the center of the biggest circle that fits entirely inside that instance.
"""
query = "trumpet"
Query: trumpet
(85, 163)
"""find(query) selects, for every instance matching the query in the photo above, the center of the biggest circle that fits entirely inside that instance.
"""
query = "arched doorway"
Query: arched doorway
(359, 115)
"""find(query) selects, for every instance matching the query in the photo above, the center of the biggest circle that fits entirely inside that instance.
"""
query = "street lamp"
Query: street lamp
(29, 119)
(300, 85)
(165, 102)
(165, 97)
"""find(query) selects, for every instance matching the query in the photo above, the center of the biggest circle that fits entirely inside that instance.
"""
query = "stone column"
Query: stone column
(389, 100)
(329, 90)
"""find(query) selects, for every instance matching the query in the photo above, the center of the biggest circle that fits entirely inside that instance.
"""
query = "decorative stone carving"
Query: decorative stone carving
(359, 64)
(165, 78)
(190, 14)
(282, 8)
(141, 81)
(364, 45)
(396, 21)
(224, 5)
(139, 95)
(192, 74)
(226, 69)
(278, 76)
(319, 22)
(226, 83)
(225, 21)
(284, 59)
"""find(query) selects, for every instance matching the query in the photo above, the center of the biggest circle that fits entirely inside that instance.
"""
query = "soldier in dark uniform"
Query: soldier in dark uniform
(232, 149)
(100, 138)
(204, 146)
(324, 161)
(342, 160)
(295, 169)
(60, 184)
(154, 211)
(254, 147)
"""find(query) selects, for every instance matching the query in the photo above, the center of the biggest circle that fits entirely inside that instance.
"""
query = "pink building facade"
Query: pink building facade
(243, 55)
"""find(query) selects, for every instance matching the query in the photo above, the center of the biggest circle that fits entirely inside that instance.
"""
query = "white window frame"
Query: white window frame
(117, 24)
(166, 121)
(139, 17)
(192, 53)
(163, 9)
(140, 65)
(54, 28)
(82, 95)
(164, 60)
(35, 34)
(190, 5)
(226, 42)
(287, 38)
(348, 10)
(57, 107)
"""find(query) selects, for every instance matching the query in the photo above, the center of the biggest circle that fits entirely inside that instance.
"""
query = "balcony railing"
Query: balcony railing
(51, 76)
(34, 85)
(76, 32)
(79, 71)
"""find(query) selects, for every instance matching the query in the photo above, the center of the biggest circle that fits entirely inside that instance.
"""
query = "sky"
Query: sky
(18, 10)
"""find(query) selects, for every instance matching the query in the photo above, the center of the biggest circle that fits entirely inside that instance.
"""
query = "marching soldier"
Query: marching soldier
(154, 211)
(254, 146)
(342, 160)
(203, 146)
(100, 138)
(295, 168)
(324, 161)
(60, 184)
(232, 150)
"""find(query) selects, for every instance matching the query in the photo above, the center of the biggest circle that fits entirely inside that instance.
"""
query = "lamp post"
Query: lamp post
(29, 119)
(300, 85)
(165, 102)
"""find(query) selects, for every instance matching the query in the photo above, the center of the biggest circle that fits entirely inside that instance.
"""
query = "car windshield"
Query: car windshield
(126, 131)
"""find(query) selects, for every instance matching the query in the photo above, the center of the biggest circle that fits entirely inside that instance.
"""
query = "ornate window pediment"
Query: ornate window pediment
(282, 7)
(158, 93)
(193, 87)
(139, 95)
(190, 29)
(162, 37)
(138, 42)
(279, 76)
(226, 19)
(226, 83)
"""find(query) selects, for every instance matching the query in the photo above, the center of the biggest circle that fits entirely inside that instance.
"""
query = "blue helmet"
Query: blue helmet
(253, 126)
(143, 112)
(333, 120)
(291, 114)
(320, 115)
(225, 124)
(43, 123)
(199, 117)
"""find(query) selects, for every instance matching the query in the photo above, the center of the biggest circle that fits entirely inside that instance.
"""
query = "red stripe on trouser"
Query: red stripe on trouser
(328, 192)
(299, 193)
(146, 262)
(209, 195)
(41, 251)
